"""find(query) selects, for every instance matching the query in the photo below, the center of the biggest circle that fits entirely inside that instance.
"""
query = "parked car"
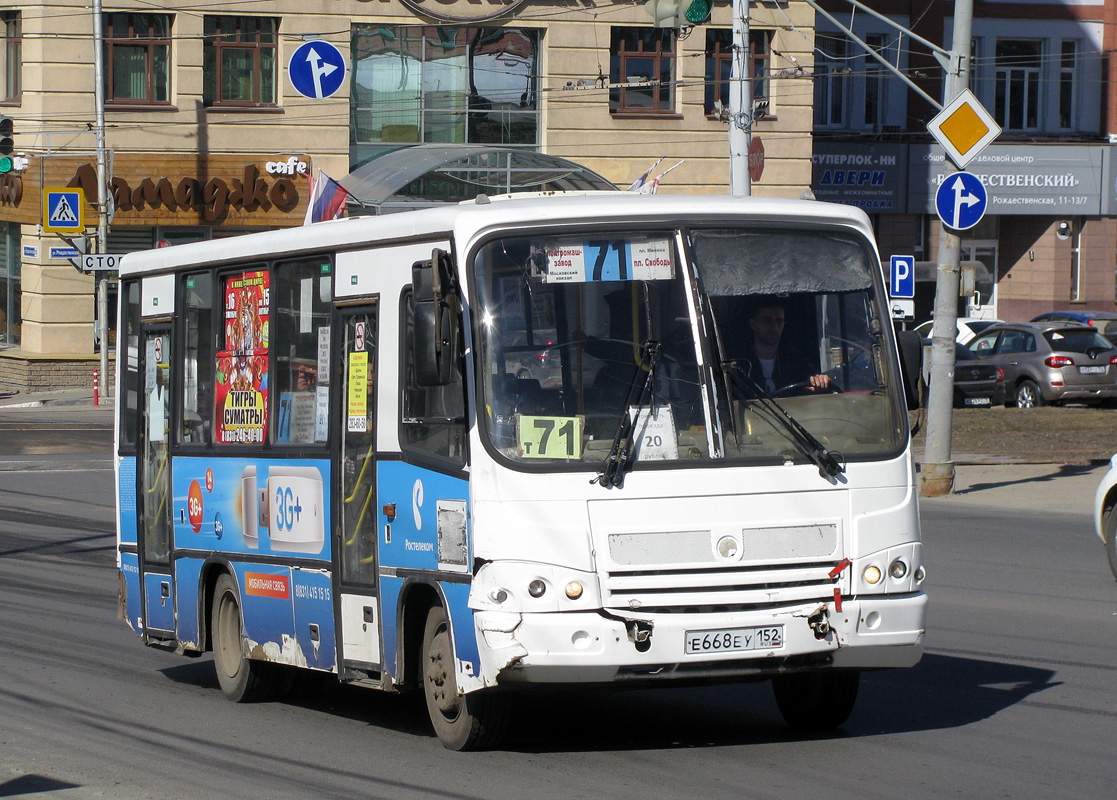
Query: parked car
(976, 382)
(1104, 321)
(968, 328)
(1105, 513)
(1050, 362)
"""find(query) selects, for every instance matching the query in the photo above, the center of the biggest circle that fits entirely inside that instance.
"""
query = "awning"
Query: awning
(488, 169)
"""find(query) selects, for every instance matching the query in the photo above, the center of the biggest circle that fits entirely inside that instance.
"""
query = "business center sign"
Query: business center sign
(1037, 180)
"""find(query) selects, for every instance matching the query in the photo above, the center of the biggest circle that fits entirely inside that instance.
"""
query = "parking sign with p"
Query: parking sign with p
(902, 281)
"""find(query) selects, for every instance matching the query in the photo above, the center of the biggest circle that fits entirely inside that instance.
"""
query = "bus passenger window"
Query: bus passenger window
(301, 330)
(199, 356)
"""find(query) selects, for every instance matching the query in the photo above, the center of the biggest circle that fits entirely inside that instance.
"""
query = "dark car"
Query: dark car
(976, 382)
(1050, 362)
(1104, 321)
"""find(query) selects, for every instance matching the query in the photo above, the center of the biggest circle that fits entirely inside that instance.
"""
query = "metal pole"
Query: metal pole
(102, 189)
(740, 104)
(937, 471)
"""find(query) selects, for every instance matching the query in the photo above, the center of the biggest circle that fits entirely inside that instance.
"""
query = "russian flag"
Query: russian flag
(327, 199)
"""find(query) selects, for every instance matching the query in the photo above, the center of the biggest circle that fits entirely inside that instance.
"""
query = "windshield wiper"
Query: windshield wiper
(830, 464)
(620, 453)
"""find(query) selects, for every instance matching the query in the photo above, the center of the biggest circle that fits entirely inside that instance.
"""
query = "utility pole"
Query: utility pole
(937, 471)
(740, 104)
(102, 192)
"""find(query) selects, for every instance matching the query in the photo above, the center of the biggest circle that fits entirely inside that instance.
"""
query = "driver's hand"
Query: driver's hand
(820, 381)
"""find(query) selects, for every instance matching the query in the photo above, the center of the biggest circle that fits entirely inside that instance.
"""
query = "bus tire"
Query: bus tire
(474, 721)
(243, 680)
(816, 701)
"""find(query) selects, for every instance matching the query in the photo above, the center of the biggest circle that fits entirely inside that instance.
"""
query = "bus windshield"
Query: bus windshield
(580, 335)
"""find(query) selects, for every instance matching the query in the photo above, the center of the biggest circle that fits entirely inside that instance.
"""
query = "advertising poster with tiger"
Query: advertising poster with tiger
(242, 366)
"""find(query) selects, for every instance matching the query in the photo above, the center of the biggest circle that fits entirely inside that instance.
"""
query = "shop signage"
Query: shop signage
(872, 177)
(213, 199)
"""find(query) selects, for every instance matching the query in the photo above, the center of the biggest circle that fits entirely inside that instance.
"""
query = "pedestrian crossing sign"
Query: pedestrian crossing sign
(64, 210)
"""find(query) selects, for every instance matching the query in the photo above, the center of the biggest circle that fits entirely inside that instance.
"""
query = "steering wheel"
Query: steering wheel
(806, 388)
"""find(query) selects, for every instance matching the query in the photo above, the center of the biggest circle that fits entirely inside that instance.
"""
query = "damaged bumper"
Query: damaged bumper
(614, 646)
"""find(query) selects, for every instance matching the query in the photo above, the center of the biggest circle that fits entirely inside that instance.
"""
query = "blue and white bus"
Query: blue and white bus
(520, 442)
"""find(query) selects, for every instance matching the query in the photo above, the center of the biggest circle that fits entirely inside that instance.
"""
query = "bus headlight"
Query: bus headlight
(574, 590)
(871, 575)
(898, 569)
(536, 588)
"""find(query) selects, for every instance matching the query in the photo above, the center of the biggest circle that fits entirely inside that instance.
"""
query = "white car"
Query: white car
(1105, 513)
(968, 328)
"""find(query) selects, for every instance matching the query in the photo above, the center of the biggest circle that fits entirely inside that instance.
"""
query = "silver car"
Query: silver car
(1050, 362)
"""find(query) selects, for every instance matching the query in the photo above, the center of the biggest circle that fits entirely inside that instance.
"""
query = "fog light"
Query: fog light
(574, 590)
(871, 575)
(898, 569)
(920, 574)
(536, 588)
(498, 596)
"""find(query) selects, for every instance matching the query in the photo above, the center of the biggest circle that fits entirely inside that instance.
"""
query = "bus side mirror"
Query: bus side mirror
(910, 345)
(435, 335)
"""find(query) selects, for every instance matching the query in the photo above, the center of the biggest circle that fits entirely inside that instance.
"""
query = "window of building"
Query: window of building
(1075, 261)
(433, 419)
(303, 291)
(1068, 65)
(875, 81)
(1016, 95)
(719, 68)
(137, 58)
(10, 320)
(830, 70)
(642, 71)
(199, 354)
(445, 84)
(239, 67)
(12, 63)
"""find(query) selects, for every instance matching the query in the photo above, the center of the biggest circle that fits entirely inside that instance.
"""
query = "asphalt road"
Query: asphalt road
(1015, 697)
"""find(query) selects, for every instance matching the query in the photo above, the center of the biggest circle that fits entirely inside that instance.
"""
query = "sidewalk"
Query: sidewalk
(79, 398)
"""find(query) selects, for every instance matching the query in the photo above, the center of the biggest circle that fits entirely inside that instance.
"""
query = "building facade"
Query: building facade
(212, 130)
(1044, 71)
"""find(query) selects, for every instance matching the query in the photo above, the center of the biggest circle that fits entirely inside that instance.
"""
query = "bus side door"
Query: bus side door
(153, 483)
(356, 488)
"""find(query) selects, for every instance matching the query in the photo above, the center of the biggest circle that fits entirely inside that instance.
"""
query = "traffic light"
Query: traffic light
(679, 13)
(7, 143)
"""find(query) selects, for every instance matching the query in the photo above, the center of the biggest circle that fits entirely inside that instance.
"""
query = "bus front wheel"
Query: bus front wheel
(242, 679)
(474, 721)
(816, 701)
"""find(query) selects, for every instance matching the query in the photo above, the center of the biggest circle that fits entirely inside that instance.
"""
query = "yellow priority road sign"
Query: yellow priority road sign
(964, 128)
(63, 210)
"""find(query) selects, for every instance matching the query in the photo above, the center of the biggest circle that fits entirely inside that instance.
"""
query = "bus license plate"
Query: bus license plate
(730, 640)
(1092, 370)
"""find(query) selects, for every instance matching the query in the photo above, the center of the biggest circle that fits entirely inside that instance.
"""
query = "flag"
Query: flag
(652, 186)
(638, 184)
(327, 199)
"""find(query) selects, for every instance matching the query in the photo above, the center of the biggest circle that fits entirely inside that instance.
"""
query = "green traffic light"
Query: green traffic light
(699, 11)
(5, 165)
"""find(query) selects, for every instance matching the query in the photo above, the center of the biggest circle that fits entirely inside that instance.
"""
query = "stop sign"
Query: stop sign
(756, 158)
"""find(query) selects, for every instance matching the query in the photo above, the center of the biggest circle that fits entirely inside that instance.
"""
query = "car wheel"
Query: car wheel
(1111, 539)
(1027, 395)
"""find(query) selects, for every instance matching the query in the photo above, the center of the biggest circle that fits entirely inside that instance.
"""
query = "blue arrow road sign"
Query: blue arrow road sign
(317, 70)
(961, 201)
(903, 276)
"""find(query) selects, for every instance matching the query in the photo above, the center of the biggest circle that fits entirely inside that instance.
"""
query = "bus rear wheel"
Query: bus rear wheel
(474, 721)
(242, 679)
(816, 701)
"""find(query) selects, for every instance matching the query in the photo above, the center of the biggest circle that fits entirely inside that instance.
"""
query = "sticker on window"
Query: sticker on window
(605, 260)
(653, 433)
(549, 437)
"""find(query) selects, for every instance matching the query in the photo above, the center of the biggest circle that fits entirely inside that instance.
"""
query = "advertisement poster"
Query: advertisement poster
(242, 366)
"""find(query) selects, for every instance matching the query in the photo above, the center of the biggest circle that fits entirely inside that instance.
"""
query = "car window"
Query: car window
(1014, 342)
(985, 343)
(1076, 341)
(963, 353)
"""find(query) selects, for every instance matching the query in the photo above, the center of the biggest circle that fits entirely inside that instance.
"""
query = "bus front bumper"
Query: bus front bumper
(870, 632)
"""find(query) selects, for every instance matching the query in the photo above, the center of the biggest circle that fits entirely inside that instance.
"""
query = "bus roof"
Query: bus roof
(466, 220)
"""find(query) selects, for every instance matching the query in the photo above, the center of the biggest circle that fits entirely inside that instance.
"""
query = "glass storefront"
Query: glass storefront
(10, 319)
